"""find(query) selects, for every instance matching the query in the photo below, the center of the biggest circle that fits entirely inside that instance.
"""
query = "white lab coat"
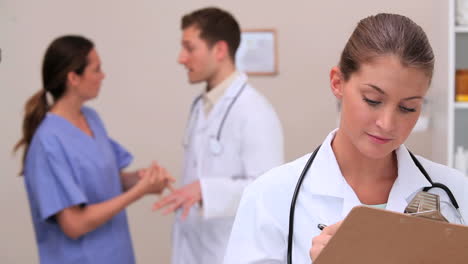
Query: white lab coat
(252, 143)
(260, 231)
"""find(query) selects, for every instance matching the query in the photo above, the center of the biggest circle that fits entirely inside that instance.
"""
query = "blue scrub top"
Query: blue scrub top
(66, 167)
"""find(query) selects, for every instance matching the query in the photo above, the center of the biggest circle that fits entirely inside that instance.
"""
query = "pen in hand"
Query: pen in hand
(321, 226)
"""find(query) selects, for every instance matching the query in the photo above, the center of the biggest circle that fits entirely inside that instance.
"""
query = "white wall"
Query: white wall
(145, 97)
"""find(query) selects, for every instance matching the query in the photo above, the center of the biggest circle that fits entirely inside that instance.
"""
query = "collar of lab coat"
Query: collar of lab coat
(325, 179)
(236, 85)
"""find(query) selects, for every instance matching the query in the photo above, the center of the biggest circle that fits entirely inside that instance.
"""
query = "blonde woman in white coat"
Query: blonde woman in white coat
(382, 78)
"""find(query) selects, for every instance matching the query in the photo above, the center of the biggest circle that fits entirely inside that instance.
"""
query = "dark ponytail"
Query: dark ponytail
(35, 110)
(65, 54)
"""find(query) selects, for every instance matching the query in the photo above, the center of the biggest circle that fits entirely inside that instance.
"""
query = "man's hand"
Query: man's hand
(184, 197)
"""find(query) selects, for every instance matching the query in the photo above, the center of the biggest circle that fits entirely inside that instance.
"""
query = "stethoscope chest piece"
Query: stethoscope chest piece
(215, 146)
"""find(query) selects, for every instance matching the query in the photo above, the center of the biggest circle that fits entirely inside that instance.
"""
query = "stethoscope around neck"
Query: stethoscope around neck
(306, 168)
(214, 141)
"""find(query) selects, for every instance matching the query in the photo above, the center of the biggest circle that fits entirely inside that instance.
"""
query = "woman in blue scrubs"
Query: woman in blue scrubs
(76, 188)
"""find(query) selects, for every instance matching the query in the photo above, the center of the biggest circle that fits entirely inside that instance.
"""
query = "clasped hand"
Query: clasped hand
(154, 179)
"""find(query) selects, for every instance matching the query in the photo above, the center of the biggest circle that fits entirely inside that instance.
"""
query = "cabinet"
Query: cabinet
(457, 111)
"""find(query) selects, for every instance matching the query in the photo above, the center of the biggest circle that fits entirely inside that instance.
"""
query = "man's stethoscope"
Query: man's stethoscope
(309, 163)
(214, 141)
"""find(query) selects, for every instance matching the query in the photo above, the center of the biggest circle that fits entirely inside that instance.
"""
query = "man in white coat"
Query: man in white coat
(233, 135)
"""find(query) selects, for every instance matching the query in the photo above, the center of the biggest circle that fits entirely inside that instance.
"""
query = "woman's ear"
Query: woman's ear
(73, 79)
(337, 82)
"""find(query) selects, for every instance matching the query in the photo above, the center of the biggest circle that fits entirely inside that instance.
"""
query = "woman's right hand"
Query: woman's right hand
(320, 241)
(154, 179)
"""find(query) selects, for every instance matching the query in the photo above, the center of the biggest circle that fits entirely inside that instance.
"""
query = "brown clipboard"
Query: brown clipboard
(376, 236)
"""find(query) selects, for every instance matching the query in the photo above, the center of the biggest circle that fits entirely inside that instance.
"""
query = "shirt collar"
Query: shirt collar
(211, 97)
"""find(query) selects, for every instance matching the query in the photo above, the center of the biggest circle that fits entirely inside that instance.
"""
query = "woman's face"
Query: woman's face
(380, 104)
(87, 84)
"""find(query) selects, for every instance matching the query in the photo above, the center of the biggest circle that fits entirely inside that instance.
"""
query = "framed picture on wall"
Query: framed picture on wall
(257, 52)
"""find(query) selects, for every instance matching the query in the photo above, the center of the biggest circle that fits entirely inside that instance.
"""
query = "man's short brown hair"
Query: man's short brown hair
(215, 25)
